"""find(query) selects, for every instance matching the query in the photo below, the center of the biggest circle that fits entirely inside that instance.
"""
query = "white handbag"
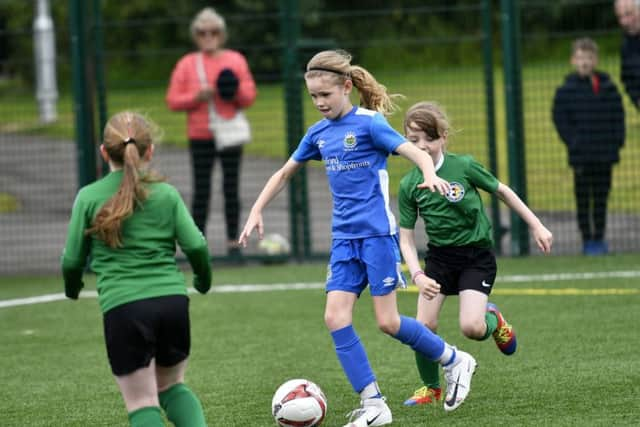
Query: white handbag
(226, 132)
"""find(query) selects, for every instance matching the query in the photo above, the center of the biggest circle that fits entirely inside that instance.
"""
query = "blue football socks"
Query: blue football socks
(420, 338)
(353, 358)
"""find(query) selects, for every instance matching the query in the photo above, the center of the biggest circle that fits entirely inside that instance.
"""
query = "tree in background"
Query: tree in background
(138, 33)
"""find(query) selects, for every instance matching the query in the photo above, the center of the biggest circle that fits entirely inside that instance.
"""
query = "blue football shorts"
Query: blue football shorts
(373, 261)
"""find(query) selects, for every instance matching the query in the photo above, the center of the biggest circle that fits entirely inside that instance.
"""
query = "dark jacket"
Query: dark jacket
(590, 124)
(630, 66)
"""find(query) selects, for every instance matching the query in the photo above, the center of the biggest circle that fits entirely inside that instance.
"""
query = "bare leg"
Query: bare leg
(139, 388)
(473, 306)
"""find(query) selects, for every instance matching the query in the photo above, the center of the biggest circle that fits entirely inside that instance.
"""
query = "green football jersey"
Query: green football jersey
(145, 265)
(459, 219)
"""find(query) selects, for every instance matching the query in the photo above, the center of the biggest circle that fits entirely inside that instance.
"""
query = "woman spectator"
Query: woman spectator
(212, 78)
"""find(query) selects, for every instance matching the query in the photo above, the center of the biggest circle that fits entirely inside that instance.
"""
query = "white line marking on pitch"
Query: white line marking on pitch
(300, 286)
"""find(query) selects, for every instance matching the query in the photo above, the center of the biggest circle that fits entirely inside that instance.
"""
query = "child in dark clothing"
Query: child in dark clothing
(589, 117)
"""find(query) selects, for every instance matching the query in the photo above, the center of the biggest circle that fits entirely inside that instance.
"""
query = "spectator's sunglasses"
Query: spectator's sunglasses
(213, 32)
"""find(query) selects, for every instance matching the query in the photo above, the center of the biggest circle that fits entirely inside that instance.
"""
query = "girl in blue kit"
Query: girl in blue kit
(354, 143)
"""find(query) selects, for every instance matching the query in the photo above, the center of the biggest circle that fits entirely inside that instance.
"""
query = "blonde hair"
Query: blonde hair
(127, 138)
(428, 117)
(209, 16)
(336, 65)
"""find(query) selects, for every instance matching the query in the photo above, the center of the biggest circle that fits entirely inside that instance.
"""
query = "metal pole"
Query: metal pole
(45, 62)
(81, 105)
(101, 91)
(487, 28)
(515, 129)
(298, 200)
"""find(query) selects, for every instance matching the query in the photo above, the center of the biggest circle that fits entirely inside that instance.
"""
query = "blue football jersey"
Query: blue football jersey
(354, 149)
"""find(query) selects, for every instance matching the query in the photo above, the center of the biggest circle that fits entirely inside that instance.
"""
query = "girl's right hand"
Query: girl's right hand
(427, 287)
(436, 184)
(254, 221)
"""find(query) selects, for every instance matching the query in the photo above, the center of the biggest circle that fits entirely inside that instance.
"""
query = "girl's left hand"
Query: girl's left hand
(428, 287)
(543, 238)
(436, 184)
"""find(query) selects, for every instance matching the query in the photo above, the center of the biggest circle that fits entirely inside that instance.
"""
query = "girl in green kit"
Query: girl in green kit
(460, 260)
(129, 223)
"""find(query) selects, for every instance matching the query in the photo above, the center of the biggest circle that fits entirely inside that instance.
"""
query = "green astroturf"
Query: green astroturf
(576, 363)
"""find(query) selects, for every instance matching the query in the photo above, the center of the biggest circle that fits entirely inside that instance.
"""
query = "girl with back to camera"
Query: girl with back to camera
(354, 143)
(460, 260)
(129, 222)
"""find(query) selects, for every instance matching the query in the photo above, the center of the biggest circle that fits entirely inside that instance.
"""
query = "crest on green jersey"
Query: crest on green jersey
(456, 193)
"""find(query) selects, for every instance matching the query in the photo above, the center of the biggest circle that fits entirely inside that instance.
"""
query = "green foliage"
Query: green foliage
(17, 19)
(142, 39)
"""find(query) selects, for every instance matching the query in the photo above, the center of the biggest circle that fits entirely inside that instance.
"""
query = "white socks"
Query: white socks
(448, 356)
(370, 391)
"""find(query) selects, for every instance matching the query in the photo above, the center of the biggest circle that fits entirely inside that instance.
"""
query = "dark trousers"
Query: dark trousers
(592, 183)
(203, 156)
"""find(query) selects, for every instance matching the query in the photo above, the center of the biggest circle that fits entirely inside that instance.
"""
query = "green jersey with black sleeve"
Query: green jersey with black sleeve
(457, 219)
(144, 266)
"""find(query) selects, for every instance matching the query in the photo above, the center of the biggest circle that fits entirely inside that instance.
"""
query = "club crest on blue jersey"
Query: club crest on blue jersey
(350, 141)
(456, 193)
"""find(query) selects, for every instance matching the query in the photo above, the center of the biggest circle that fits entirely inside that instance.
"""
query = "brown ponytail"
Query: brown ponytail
(127, 138)
(336, 64)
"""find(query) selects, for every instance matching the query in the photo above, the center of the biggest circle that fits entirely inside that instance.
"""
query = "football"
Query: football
(299, 403)
(274, 244)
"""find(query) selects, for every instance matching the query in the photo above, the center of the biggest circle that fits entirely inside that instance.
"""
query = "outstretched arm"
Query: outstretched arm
(274, 185)
(541, 234)
(425, 163)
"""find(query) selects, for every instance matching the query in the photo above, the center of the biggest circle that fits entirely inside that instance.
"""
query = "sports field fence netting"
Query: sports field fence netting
(461, 54)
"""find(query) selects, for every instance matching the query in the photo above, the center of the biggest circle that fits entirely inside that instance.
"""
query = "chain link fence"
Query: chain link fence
(451, 54)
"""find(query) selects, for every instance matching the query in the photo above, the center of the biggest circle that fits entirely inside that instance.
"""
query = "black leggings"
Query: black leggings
(592, 183)
(203, 155)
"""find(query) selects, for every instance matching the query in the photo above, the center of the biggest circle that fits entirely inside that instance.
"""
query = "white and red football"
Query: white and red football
(299, 403)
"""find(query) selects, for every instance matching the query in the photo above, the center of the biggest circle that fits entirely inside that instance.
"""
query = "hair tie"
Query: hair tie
(129, 141)
(329, 70)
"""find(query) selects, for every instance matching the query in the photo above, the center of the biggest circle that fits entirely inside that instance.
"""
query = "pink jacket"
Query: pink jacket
(185, 84)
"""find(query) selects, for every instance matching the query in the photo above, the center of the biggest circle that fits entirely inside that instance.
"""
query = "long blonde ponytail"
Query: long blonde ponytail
(127, 138)
(336, 64)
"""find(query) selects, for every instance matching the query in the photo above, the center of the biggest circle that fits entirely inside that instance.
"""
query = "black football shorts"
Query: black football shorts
(459, 268)
(138, 331)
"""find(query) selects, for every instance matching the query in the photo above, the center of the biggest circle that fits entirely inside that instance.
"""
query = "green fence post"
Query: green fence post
(487, 50)
(98, 55)
(298, 198)
(515, 131)
(82, 107)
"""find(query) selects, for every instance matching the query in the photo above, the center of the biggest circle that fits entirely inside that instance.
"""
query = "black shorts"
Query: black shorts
(138, 331)
(460, 268)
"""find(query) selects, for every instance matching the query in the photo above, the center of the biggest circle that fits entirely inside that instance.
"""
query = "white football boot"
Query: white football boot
(372, 412)
(458, 379)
